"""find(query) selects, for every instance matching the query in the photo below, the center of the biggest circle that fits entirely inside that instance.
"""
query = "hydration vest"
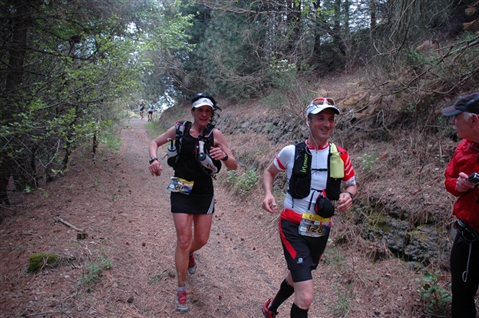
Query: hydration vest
(300, 181)
(206, 137)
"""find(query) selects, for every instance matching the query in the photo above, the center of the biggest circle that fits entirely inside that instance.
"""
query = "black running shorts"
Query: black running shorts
(192, 203)
(302, 253)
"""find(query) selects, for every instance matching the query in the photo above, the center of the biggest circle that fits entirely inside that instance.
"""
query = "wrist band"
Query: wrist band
(352, 195)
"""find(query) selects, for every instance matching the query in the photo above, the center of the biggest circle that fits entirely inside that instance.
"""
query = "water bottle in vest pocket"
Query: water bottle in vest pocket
(172, 153)
(336, 164)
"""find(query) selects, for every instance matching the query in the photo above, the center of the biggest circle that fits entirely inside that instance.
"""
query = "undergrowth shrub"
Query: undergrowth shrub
(110, 138)
(368, 160)
(290, 92)
(244, 183)
(94, 271)
(436, 298)
(154, 129)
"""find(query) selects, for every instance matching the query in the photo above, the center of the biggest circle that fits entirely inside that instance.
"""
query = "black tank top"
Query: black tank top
(188, 167)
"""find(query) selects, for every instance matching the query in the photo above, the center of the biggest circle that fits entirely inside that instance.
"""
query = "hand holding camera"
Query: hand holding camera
(474, 178)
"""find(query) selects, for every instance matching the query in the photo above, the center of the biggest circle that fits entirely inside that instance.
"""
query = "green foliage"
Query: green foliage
(94, 271)
(109, 137)
(436, 298)
(244, 183)
(414, 58)
(161, 29)
(343, 305)
(44, 192)
(155, 279)
(95, 182)
(368, 160)
(80, 75)
(28, 189)
(334, 256)
(282, 74)
(232, 177)
(153, 128)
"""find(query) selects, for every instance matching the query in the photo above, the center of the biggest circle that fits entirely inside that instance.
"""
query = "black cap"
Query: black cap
(468, 103)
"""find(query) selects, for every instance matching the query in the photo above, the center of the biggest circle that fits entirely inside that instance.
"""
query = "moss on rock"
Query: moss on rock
(39, 260)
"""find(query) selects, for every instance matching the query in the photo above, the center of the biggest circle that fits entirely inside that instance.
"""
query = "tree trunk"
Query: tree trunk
(16, 59)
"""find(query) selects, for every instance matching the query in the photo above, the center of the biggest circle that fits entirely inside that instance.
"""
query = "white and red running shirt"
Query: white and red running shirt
(284, 161)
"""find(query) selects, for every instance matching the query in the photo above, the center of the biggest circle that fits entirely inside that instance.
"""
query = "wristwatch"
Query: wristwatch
(152, 159)
(225, 158)
(352, 195)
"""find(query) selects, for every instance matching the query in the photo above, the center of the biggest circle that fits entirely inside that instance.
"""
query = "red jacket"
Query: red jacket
(465, 159)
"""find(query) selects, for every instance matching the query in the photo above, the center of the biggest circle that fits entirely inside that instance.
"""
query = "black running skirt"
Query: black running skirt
(193, 203)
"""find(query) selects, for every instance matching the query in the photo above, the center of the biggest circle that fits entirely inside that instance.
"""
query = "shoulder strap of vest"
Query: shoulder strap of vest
(301, 148)
(207, 136)
(181, 127)
(208, 130)
(302, 159)
(185, 125)
(300, 180)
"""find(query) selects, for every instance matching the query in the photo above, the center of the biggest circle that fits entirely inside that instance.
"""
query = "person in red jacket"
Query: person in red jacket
(462, 182)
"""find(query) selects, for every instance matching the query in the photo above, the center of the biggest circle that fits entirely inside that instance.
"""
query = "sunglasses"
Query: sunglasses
(323, 101)
(202, 95)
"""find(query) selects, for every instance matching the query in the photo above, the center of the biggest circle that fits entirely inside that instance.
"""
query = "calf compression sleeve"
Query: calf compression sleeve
(297, 312)
(285, 290)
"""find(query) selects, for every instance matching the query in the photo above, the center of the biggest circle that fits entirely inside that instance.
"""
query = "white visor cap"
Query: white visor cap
(203, 102)
(320, 104)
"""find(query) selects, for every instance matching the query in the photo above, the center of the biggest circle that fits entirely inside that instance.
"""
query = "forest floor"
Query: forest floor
(125, 266)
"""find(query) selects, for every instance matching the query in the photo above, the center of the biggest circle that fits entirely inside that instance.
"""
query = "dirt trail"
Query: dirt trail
(126, 213)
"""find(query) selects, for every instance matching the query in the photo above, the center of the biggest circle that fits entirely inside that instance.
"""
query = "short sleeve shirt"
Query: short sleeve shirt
(284, 161)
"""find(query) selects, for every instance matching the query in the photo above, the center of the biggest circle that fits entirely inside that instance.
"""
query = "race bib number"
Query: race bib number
(180, 185)
(313, 225)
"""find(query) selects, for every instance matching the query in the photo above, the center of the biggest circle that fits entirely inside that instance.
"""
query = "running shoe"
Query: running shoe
(192, 264)
(181, 304)
(266, 312)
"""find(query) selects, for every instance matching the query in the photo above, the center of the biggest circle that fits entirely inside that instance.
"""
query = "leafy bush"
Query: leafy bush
(436, 298)
(232, 178)
(110, 138)
(242, 184)
(368, 160)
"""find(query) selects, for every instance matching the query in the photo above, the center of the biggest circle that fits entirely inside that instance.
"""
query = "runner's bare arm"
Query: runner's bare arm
(269, 202)
(345, 201)
(155, 166)
(221, 151)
